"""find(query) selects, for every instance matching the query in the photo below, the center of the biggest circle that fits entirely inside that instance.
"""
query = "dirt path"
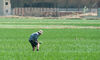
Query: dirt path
(53, 22)
(49, 26)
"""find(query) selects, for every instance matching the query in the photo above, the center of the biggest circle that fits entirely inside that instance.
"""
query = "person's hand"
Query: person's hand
(40, 42)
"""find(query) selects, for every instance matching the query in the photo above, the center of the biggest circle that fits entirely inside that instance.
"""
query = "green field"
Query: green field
(63, 39)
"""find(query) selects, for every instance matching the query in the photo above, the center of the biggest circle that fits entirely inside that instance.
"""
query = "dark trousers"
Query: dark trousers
(33, 43)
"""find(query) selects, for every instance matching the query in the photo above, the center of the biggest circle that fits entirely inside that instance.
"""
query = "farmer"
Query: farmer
(33, 39)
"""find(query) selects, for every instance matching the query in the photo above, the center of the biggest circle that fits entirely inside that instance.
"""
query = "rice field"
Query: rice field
(63, 39)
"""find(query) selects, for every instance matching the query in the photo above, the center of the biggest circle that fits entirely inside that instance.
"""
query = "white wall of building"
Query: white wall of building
(7, 7)
(1, 8)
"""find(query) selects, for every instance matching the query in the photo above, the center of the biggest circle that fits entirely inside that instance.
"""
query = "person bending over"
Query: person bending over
(34, 39)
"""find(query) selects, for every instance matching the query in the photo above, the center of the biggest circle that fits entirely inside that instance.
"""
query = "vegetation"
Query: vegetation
(58, 44)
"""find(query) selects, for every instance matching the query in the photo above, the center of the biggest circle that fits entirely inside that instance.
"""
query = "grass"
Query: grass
(58, 44)
(31, 21)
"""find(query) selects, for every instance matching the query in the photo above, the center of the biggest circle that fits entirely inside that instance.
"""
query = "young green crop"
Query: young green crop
(58, 44)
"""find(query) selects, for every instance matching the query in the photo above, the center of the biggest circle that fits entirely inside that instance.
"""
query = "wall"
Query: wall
(59, 3)
(21, 3)
(1, 7)
(98, 12)
(98, 8)
(7, 7)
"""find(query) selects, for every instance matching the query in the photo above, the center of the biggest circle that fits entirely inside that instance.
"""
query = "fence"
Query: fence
(47, 11)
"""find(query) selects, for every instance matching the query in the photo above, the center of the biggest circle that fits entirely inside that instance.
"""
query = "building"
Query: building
(99, 9)
(1, 7)
(38, 7)
(5, 7)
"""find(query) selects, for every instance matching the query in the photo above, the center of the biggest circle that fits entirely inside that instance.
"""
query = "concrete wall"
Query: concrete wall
(98, 12)
(7, 7)
(98, 8)
(1, 8)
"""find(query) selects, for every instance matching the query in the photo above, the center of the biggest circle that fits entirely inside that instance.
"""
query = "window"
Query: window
(6, 11)
(6, 3)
